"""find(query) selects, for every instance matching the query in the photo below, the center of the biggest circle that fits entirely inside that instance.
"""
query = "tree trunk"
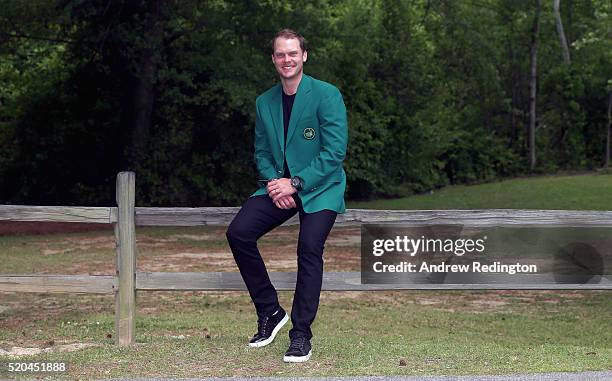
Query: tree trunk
(569, 32)
(607, 159)
(142, 100)
(533, 85)
(141, 91)
(561, 33)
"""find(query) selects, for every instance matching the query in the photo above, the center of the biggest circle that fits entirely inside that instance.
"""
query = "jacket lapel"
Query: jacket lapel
(276, 111)
(302, 98)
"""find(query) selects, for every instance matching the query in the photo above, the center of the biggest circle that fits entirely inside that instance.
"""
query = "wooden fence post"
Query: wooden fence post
(125, 234)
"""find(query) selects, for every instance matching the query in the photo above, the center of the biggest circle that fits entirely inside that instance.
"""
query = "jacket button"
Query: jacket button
(279, 172)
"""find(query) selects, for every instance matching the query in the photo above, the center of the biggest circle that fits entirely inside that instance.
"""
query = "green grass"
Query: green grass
(577, 192)
(451, 334)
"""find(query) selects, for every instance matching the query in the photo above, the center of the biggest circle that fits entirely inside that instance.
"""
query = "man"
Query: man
(300, 142)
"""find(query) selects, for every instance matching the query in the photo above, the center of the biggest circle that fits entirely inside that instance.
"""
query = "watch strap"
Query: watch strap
(297, 182)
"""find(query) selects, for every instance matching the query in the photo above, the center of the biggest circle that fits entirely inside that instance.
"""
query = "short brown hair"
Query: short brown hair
(289, 33)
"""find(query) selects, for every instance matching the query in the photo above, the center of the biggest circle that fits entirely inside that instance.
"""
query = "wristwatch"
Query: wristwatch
(297, 182)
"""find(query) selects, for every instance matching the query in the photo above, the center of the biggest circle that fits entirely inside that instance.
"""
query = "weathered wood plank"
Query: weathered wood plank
(481, 218)
(332, 281)
(125, 298)
(222, 216)
(86, 214)
(88, 284)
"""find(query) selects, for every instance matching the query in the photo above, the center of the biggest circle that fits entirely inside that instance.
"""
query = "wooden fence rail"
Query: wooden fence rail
(127, 280)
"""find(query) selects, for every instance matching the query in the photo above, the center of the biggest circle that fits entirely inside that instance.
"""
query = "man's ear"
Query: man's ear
(305, 56)
(272, 56)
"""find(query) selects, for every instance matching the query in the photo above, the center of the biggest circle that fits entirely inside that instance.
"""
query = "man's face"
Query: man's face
(288, 58)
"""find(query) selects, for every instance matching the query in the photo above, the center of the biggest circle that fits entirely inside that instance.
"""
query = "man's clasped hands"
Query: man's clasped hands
(281, 191)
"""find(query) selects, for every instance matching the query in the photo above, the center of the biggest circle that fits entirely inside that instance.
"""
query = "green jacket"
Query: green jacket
(316, 142)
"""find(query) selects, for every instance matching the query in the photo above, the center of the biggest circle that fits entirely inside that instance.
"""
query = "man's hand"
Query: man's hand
(280, 188)
(286, 202)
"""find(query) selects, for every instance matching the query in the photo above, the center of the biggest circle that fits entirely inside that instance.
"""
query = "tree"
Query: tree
(607, 154)
(167, 89)
(533, 85)
(559, 24)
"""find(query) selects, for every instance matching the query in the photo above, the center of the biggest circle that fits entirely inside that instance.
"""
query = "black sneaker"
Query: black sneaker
(268, 327)
(299, 350)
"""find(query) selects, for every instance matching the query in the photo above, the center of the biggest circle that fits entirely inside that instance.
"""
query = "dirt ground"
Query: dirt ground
(36, 227)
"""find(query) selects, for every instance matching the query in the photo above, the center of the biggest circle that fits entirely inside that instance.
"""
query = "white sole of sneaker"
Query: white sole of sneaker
(267, 341)
(298, 358)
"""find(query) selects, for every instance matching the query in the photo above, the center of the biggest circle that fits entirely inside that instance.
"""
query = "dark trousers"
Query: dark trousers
(258, 216)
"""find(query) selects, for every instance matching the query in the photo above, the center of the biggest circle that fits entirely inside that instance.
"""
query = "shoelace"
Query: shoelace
(262, 325)
(297, 343)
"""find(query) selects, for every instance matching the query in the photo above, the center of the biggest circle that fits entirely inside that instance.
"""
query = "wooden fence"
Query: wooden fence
(127, 280)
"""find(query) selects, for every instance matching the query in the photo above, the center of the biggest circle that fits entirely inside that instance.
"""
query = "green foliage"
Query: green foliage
(437, 93)
(563, 126)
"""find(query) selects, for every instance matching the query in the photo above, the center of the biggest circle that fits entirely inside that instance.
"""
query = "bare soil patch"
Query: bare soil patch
(16, 352)
(37, 228)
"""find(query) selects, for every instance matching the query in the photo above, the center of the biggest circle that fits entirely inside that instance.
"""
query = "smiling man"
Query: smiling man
(301, 136)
